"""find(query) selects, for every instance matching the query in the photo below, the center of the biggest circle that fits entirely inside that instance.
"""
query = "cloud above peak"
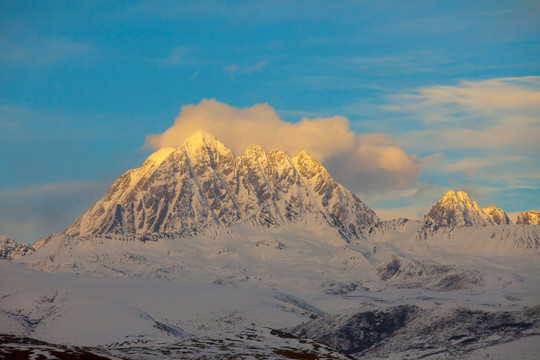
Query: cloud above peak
(363, 163)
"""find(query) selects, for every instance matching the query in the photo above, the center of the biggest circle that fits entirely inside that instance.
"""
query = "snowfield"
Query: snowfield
(126, 295)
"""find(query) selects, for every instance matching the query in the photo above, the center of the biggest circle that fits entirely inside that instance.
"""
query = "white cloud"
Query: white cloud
(477, 125)
(363, 163)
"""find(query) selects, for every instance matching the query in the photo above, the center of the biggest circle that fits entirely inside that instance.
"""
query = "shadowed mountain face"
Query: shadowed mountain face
(201, 184)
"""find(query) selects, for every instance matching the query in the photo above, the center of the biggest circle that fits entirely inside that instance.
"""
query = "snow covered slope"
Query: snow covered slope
(146, 318)
(136, 318)
(298, 260)
(200, 186)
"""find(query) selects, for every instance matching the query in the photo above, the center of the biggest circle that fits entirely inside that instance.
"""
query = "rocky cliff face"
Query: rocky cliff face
(201, 184)
(529, 218)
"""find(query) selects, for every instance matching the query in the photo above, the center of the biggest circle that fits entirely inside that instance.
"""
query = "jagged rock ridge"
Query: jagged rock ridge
(201, 184)
(529, 218)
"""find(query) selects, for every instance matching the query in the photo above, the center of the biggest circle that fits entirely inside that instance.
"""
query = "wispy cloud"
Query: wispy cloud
(494, 98)
(496, 114)
(179, 56)
(235, 69)
(43, 51)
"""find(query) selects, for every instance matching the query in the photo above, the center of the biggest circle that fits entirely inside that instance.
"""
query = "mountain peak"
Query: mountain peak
(255, 151)
(201, 139)
(458, 209)
(453, 196)
(308, 165)
(203, 145)
(201, 185)
(200, 136)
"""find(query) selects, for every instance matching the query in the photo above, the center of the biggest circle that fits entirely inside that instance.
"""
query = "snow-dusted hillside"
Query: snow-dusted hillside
(200, 186)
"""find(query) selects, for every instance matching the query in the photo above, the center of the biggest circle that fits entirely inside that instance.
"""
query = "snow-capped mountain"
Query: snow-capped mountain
(10, 249)
(457, 210)
(201, 185)
(220, 252)
(498, 215)
(529, 218)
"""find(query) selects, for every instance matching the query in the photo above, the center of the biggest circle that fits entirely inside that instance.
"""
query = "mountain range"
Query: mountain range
(200, 185)
(267, 240)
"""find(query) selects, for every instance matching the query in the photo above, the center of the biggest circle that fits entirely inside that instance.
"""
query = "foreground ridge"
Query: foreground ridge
(201, 185)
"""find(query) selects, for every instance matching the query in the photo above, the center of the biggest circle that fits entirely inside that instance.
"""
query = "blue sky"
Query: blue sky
(454, 84)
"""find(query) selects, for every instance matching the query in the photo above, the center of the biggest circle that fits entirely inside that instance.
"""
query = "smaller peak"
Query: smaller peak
(531, 217)
(254, 151)
(463, 195)
(277, 152)
(457, 209)
(254, 147)
(278, 156)
(304, 156)
(497, 214)
(308, 166)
